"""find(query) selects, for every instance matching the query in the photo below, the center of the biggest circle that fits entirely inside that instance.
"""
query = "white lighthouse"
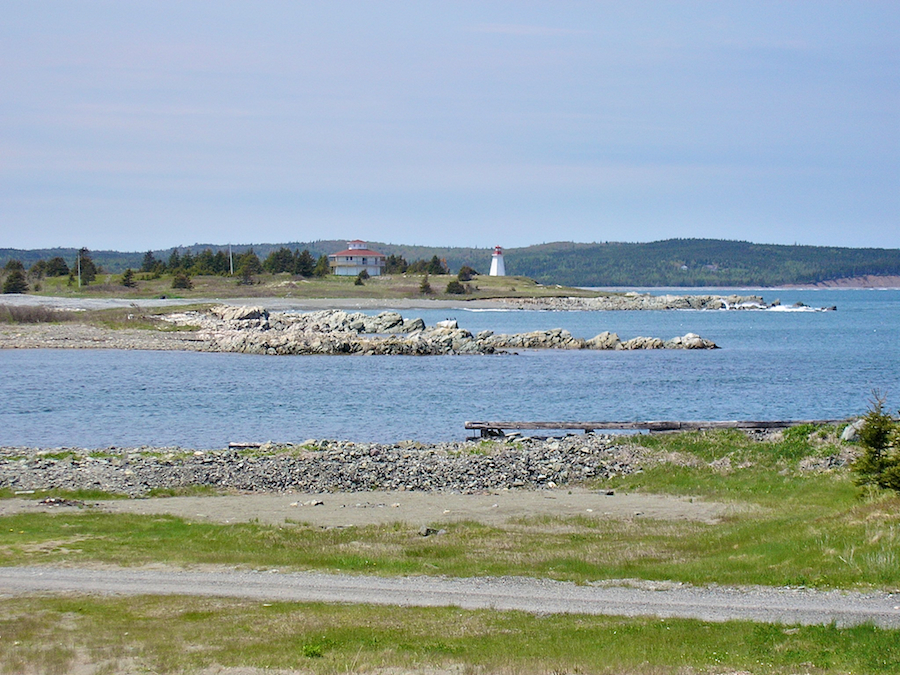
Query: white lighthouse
(498, 269)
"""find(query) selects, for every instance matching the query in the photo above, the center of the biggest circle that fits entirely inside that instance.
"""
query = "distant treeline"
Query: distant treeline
(697, 262)
(674, 262)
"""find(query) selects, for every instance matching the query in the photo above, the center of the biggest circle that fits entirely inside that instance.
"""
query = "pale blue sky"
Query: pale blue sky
(134, 125)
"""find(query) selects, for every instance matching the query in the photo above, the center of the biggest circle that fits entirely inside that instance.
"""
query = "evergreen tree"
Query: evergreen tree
(304, 264)
(38, 269)
(879, 463)
(435, 266)
(204, 263)
(149, 263)
(425, 287)
(221, 264)
(278, 261)
(395, 264)
(128, 279)
(322, 269)
(187, 262)
(56, 267)
(417, 267)
(13, 265)
(15, 282)
(85, 266)
(174, 263)
(248, 262)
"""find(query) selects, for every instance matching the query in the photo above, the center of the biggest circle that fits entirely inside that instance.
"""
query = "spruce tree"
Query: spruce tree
(322, 269)
(15, 282)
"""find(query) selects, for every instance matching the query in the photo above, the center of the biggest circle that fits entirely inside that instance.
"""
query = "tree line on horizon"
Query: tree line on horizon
(674, 262)
(182, 266)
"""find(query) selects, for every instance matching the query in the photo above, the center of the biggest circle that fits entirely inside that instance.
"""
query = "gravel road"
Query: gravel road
(768, 605)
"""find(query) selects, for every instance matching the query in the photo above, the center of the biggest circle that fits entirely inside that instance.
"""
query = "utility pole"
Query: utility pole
(79, 268)
(230, 259)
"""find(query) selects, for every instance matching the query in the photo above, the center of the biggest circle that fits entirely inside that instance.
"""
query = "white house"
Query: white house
(356, 259)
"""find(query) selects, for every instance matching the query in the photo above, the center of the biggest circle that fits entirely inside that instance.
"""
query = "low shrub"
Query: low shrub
(879, 464)
(181, 280)
(33, 314)
(455, 288)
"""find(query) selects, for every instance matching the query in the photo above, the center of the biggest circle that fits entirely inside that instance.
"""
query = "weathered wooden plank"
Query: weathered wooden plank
(653, 425)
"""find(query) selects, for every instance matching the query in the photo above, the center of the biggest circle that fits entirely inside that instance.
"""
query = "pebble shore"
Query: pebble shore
(320, 466)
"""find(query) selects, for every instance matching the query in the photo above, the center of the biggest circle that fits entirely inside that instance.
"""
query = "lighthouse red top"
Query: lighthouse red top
(498, 250)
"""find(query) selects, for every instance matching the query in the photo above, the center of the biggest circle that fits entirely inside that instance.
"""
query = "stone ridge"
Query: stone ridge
(641, 301)
(255, 330)
(326, 466)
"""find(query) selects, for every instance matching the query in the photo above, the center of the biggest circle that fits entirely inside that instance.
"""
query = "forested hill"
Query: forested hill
(673, 262)
(697, 262)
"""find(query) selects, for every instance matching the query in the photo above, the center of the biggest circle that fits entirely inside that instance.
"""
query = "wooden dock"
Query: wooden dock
(491, 429)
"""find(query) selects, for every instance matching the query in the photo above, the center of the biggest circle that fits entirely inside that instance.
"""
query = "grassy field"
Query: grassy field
(116, 318)
(173, 635)
(285, 286)
(793, 523)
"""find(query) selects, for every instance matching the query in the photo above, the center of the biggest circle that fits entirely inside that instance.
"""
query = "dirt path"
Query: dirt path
(768, 605)
(345, 509)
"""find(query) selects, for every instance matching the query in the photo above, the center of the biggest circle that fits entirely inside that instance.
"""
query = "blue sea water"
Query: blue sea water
(771, 365)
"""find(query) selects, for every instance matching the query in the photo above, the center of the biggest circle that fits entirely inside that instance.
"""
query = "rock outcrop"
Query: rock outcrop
(254, 330)
(641, 301)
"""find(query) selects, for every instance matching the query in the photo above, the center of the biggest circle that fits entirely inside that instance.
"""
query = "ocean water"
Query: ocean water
(785, 364)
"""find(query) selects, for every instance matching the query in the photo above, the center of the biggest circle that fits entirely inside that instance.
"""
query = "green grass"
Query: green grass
(844, 549)
(286, 286)
(176, 634)
(786, 527)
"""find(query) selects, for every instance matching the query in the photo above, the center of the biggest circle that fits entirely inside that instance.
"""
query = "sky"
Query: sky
(152, 124)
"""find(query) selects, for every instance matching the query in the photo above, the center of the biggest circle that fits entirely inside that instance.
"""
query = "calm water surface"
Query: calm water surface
(772, 365)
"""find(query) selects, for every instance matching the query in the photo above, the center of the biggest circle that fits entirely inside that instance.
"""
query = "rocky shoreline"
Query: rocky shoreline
(634, 301)
(320, 466)
(255, 330)
(326, 466)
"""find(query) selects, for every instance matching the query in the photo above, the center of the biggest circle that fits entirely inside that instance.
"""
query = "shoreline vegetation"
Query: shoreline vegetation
(722, 512)
(725, 510)
(668, 263)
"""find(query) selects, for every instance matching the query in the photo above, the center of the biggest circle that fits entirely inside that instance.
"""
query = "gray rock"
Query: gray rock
(851, 431)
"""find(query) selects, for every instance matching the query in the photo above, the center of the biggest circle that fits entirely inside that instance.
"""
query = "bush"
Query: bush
(466, 273)
(879, 464)
(182, 280)
(33, 314)
(455, 288)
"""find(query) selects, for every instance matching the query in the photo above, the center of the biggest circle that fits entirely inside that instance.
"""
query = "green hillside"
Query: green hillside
(673, 262)
(696, 262)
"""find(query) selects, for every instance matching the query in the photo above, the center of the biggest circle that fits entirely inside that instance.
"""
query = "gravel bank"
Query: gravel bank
(326, 466)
